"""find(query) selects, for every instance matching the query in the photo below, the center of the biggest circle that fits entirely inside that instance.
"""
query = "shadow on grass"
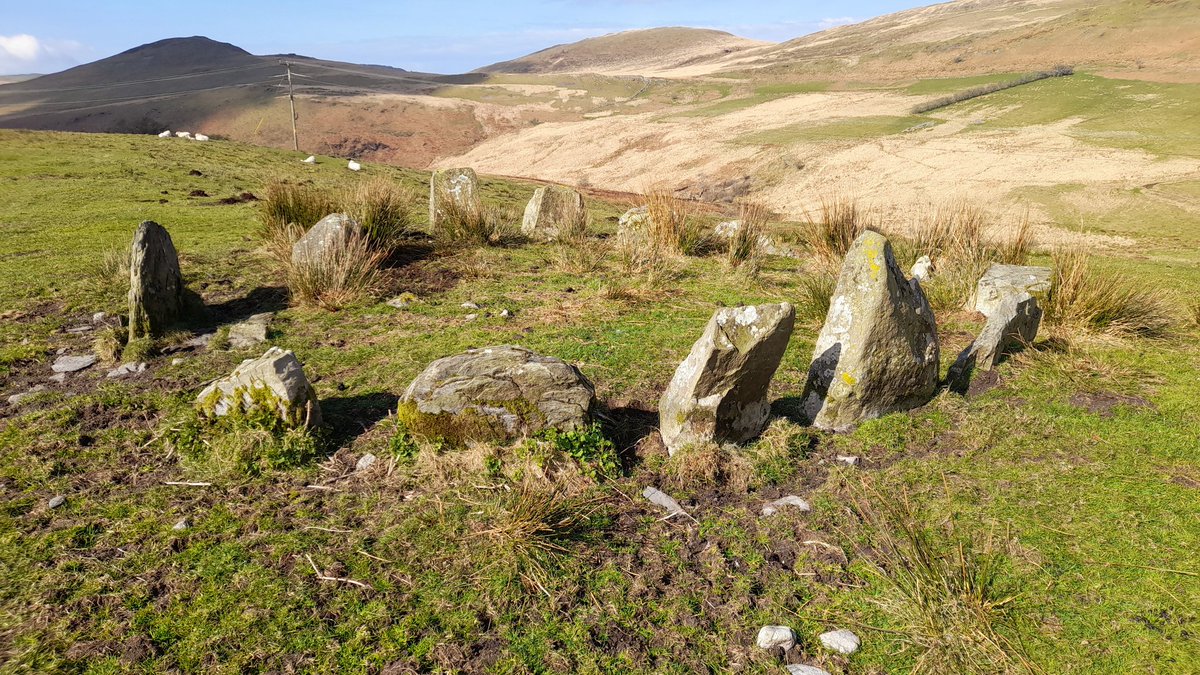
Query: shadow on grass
(626, 427)
(350, 416)
(257, 301)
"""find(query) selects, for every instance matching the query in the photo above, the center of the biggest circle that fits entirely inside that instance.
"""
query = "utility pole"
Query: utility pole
(292, 103)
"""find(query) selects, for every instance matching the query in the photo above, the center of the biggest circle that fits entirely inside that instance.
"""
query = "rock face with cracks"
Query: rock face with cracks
(272, 382)
(1002, 282)
(719, 393)
(330, 233)
(1012, 323)
(878, 351)
(552, 208)
(459, 185)
(494, 393)
(155, 282)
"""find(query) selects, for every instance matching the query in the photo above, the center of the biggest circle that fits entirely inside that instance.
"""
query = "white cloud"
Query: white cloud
(19, 47)
(24, 53)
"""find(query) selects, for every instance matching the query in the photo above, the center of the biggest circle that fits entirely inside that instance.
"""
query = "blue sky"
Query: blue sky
(431, 35)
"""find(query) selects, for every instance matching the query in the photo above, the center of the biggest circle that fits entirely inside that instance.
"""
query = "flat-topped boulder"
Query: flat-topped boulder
(1012, 324)
(494, 393)
(460, 186)
(719, 392)
(155, 283)
(552, 209)
(330, 234)
(1001, 282)
(273, 383)
(878, 351)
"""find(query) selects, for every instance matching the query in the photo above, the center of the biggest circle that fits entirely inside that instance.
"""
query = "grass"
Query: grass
(1082, 298)
(990, 88)
(849, 129)
(1082, 462)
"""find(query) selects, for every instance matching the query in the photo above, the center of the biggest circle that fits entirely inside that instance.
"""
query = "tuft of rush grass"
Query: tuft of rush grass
(466, 222)
(813, 297)
(946, 594)
(384, 209)
(830, 235)
(578, 252)
(346, 273)
(670, 225)
(1081, 298)
(744, 249)
(303, 205)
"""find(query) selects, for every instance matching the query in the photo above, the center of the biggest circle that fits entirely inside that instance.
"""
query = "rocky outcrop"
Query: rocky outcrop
(878, 351)
(719, 393)
(274, 383)
(1002, 282)
(1013, 323)
(553, 208)
(458, 185)
(330, 234)
(155, 283)
(496, 393)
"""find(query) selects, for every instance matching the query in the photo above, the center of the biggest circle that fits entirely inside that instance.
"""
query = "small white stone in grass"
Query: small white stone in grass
(364, 462)
(771, 508)
(181, 525)
(76, 330)
(849, 460)
(770, 637)
(16, 399)
(57, 501)
(99, 316)
(471, 317)
(469, 305)
(801, 669)
(841, 641)
(176, 361)
(504, 314)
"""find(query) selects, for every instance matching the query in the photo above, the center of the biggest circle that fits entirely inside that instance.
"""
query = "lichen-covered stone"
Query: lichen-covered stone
(330, 233)
(1012, 323)
(274, 383)
(460, 185)
(878, 350)
(495, 393)
(552, 208)
(719, 393)
(1001, 282)
(155, 282)
(633, 220)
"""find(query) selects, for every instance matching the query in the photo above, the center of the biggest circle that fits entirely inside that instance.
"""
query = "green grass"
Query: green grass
(1096, 509)
(850, 129)
(950, 85)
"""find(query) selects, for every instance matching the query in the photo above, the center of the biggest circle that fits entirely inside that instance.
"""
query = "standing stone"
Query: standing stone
(719, 393)
(155, 282)
(274, 381)
(878, 351)
(459, 185)
(1001, 282)
(633, 220)
(330, 233)
(496, 392)
(552, 209)
(1013, 323)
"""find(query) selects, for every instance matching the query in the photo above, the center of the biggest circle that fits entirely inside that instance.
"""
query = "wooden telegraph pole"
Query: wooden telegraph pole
(292, 104)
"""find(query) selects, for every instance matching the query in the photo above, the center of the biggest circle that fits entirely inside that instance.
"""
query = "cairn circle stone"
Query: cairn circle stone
(499, 392)
(552, 209)
(330, 235)
(1012, 323)
(633, 221)
(719, 392)
(155, 282)
(458, 185)
(274, 382)
(1002, 282)
(878, 350)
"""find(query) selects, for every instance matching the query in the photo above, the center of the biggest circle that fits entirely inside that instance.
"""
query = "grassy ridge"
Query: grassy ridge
(1080, 468)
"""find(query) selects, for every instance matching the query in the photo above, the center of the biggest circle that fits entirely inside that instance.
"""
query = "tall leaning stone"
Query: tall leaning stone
(878, 350)
(1000, 283)
(458, 185)
(552, 208)
(1012, 323)
(155, 282)
(719, 393)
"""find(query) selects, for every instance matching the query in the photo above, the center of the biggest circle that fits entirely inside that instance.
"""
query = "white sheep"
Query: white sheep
(311, 160)
(165, 134)
(183, 134)
(354, 166)
(199, 137)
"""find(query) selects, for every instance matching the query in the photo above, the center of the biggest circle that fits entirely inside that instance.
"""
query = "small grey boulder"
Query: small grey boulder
(1002, 282)
(56, 501)
(71, 364)
(331, 234)
(1012, 323)
(841, 641)
(770, 637)
(274, 380)
(251, 332)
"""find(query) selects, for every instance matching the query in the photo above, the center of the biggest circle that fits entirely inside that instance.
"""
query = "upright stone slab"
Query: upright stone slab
(155, 282)
(1013, 323)
(635, 220)
(274, 382)
(719, 393)
(330, 233)
(878, 351)
(552, 208)
(460, 185)
(1001, 282)
(494, 393)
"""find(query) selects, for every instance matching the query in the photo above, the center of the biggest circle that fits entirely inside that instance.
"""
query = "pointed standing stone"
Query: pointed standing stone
(878, 351)
(459, 185)
(719, 393)
(155, 283)
(552, 209)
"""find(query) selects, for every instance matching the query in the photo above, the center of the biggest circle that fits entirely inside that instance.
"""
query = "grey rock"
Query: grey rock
(552, 208)
(841, 641)
(331, 234)
(505, 314)
(460, 186)
(77, 330)
(660, 498)
(878, 351)
(176, 361)
(729, 229)
(126, 370)
(635, 219)
(275, 379)
(71, 364)
(251, 332)
(469, 305)
(182, 525)
(16, 399)
(512, 390)
(471, 317)
(155, 282)
(719, 393)
(848, 460)
(99, 317)
(801, 669)
(402, 301)
(58, 378)
(773, 507)
(1012, 323)
(770, 637)
(365, 462)
(56, 501)
(200, 340)
(1002, 282)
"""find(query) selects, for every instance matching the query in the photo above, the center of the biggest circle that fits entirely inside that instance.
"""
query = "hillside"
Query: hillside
(640, 52)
